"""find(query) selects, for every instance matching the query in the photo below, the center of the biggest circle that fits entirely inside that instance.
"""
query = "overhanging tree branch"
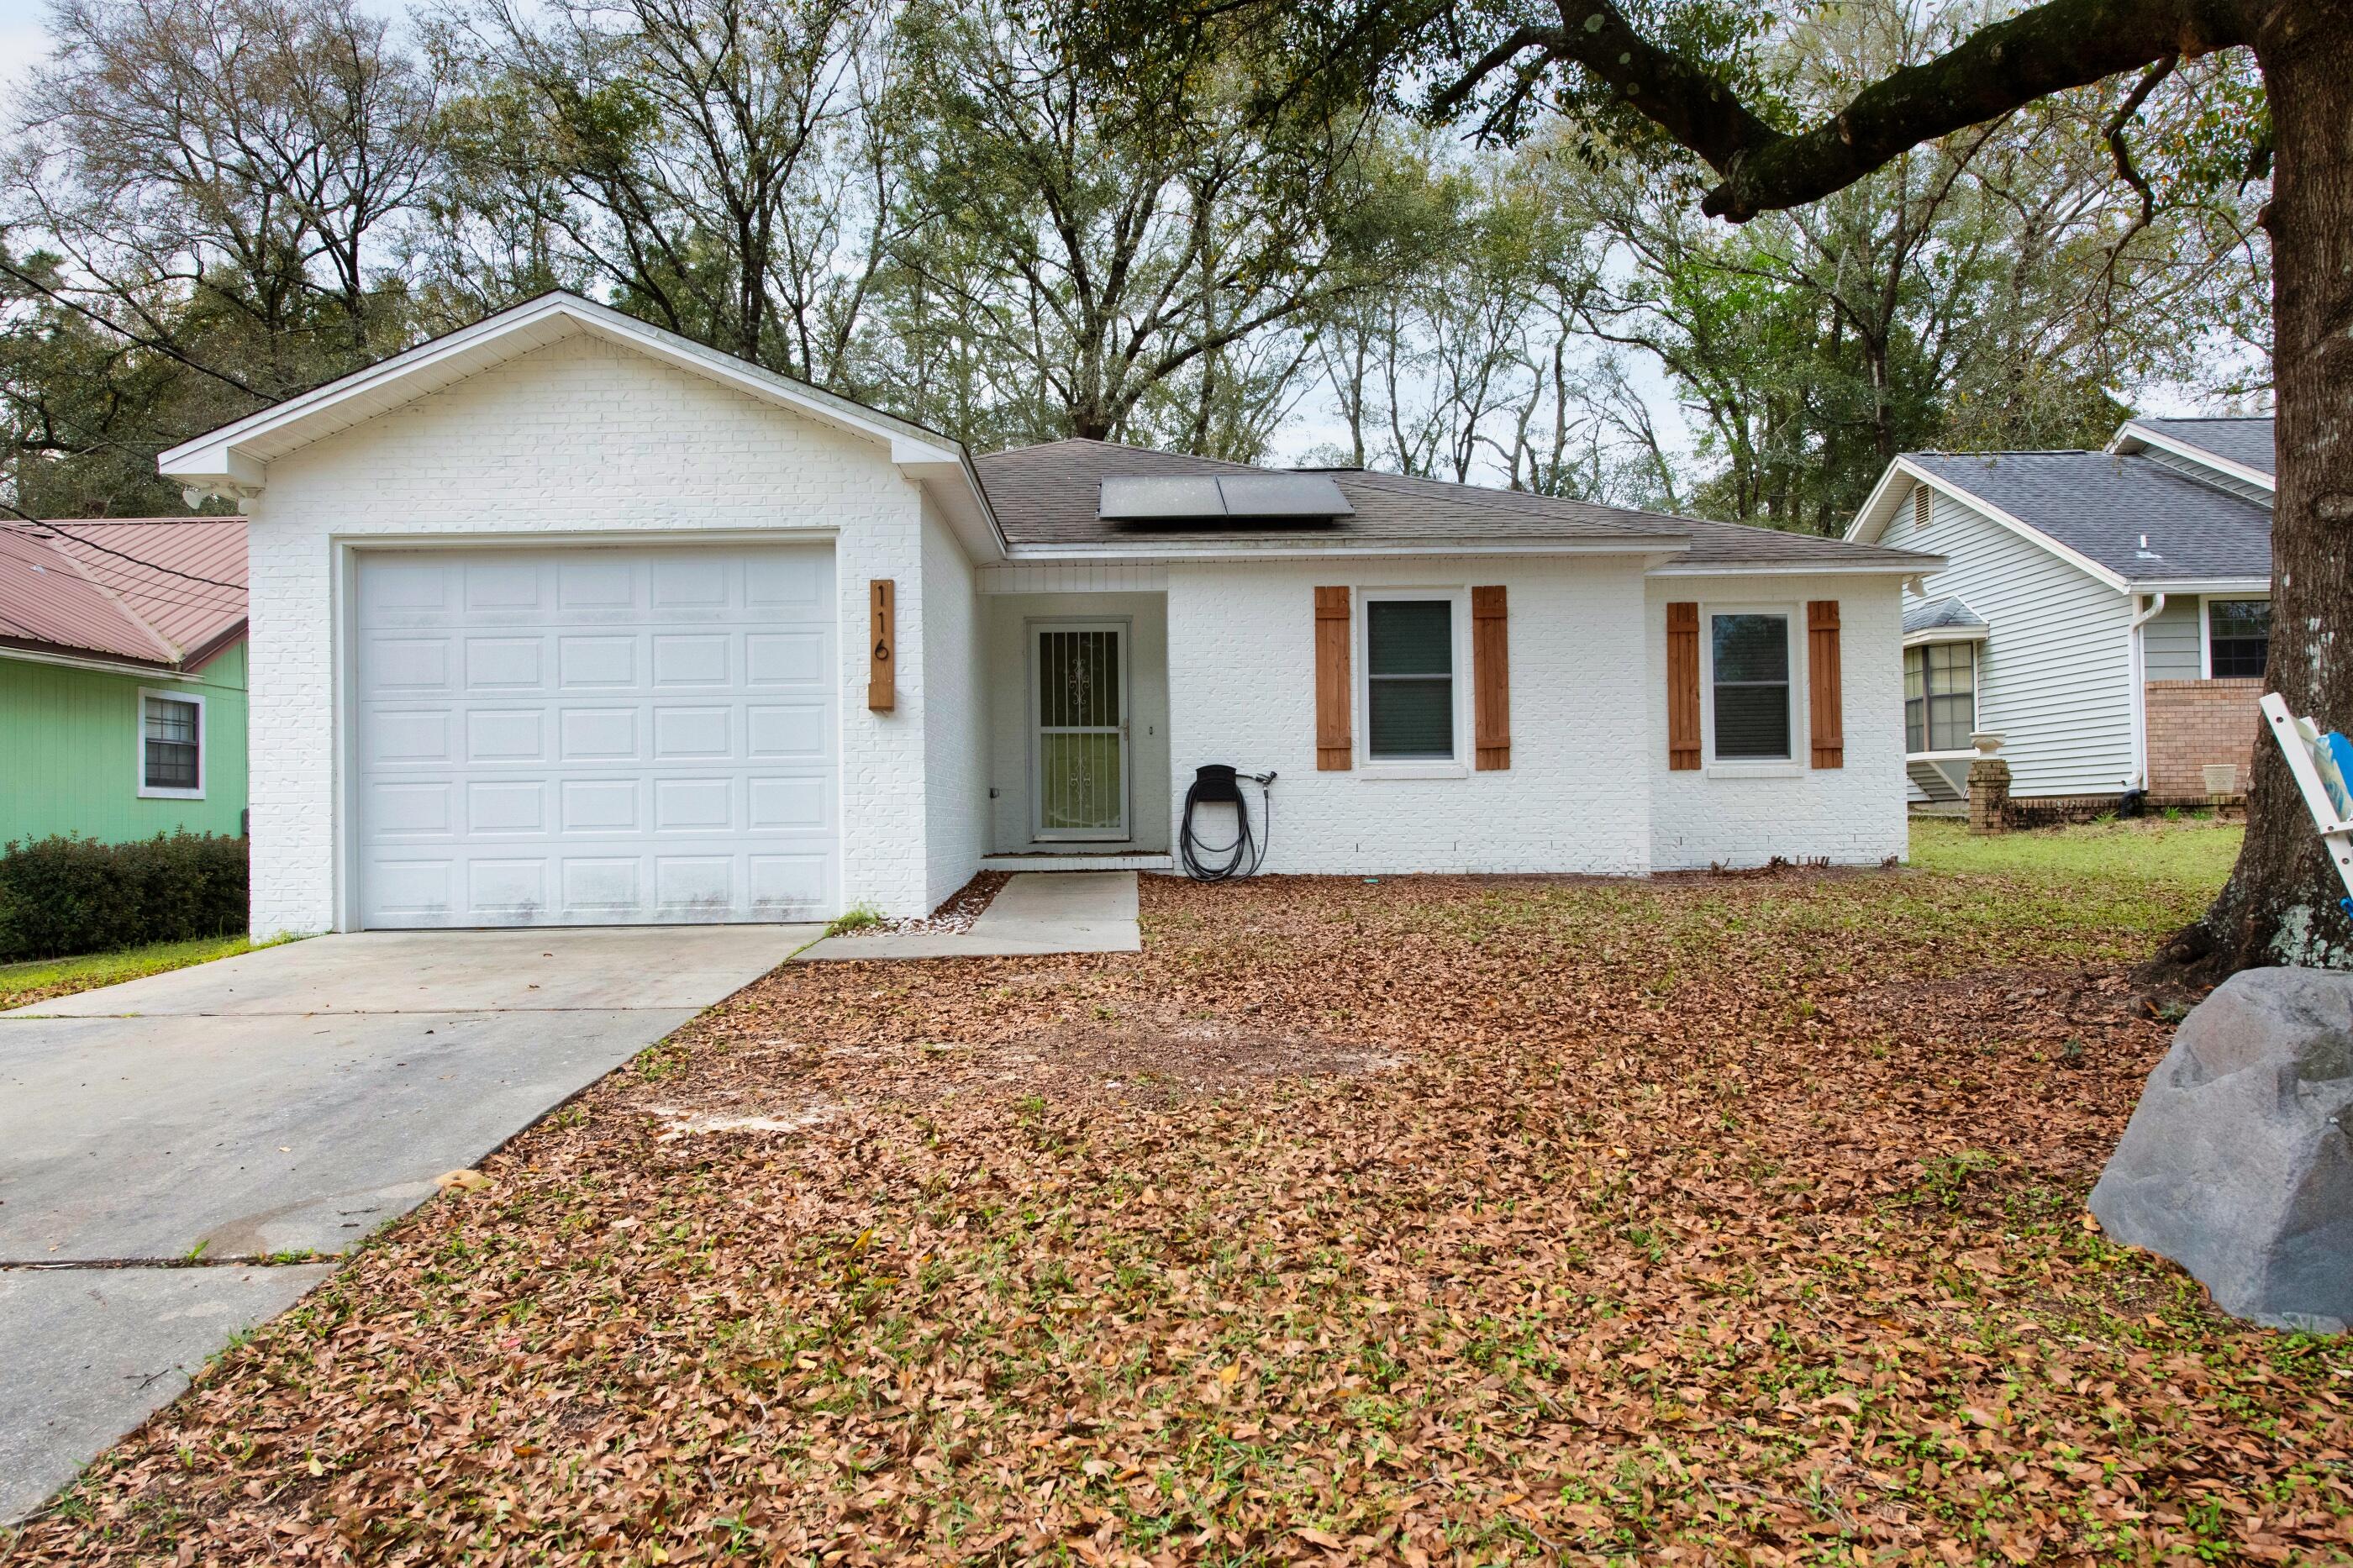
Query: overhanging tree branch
(2056, 46)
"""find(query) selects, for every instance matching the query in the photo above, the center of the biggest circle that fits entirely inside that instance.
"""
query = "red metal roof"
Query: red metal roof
(162, 591)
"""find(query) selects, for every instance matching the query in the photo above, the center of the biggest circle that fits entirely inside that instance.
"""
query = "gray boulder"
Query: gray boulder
(2238, 1163)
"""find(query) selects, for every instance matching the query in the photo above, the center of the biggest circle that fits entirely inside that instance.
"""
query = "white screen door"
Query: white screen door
(1081, 713)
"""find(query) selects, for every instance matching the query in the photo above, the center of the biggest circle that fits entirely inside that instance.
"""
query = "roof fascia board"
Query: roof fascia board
(2025, 530)
(1911, 568)
(1021, 553)
(1879, 508)
(1944, 634)
(2131, 432)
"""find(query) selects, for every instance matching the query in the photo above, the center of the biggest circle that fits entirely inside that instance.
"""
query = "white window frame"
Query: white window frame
(139, 746)
(1794, 764)
(1458, 596)
(2206, 604)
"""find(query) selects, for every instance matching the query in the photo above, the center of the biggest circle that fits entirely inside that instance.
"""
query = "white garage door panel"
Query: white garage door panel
(596, 737)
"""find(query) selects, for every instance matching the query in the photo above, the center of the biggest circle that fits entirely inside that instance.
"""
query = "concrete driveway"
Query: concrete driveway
(289, 1101)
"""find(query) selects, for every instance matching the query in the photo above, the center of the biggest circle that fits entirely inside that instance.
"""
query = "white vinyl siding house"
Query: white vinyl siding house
(2097, 588)
(2054, 678)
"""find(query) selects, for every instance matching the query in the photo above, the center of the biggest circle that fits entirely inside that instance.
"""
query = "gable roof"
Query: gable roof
(1952, 614)
(1047, 497)
(162, 593)
(2130, 522)
(2242, 448)
(233, 460)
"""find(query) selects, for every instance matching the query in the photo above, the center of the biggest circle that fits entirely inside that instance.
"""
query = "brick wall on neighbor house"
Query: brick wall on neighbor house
(2195, 723)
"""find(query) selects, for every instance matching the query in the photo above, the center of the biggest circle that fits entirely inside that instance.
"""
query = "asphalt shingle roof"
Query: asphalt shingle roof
(2102, 506)
(1046, 495)
(2246, 441)
(1940, 614)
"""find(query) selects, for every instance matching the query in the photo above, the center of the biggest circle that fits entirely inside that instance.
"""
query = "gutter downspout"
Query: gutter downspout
(2141, 617)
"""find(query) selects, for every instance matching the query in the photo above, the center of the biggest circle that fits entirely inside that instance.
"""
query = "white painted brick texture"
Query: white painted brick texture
(579, 437)
(1577, 797)
(1853, 814)
(955, 715)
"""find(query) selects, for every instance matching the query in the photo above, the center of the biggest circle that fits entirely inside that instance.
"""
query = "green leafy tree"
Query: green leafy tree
(1653, 81)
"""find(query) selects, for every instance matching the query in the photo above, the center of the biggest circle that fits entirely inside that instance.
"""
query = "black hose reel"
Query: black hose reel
(1218, 784)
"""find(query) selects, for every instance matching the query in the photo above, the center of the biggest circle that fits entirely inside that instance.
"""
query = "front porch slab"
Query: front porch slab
(1037, 913)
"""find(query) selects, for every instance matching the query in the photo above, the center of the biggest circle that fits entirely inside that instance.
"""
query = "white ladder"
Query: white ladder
(2299, 741)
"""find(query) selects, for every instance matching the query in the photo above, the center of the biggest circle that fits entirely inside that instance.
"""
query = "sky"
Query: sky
(23, 40)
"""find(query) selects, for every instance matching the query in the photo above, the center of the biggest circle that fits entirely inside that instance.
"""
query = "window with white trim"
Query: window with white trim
(1409, 701)
(171, 746)
(1748, 681)
(2238, 638)
(1940, 696)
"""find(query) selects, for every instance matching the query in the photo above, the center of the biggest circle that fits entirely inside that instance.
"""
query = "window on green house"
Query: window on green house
(172, 741)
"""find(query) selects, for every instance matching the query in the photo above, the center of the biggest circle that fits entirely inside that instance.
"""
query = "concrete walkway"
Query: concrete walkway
(287, 1101)
(1035, 912)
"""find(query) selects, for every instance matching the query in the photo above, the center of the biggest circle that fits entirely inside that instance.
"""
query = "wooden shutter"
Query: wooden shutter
(1491, 678)
(1824, 709)
(1683, 686)
(1335, 746)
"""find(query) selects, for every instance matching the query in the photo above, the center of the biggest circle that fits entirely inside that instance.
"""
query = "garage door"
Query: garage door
(596, 737)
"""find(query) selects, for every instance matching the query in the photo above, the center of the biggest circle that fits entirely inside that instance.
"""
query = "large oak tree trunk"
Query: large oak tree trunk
(2280, 905)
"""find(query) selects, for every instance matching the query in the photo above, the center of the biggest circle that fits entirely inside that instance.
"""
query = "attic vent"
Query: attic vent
(1920, 505)
(1203, 499)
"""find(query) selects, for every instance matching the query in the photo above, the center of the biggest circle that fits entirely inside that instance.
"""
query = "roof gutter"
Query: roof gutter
(97, 665)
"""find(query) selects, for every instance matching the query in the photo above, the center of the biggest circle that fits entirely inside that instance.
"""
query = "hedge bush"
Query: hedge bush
(68, 895)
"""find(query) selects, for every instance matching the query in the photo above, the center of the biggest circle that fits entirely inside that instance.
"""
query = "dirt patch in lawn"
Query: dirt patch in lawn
(1435, 1219)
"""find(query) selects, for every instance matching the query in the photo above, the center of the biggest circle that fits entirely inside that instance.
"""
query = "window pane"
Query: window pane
(1915, 673)
(1410, 636)
(2241, 617)
(1950, 720)
(1952, 666)
(170, 720)
(1915, 736)
(168, 743)
(2239, 633)
(1752, 721)
(1752, 648)
(1411, 717)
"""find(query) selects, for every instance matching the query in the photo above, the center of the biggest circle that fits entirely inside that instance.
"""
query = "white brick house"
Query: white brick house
(561, 619)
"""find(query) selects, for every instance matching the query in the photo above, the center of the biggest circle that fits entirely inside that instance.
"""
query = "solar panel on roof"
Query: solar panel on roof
(1161, 498)
(1283, 495)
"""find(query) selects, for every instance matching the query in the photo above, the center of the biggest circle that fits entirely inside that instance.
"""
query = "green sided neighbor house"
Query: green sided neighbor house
(122, 677)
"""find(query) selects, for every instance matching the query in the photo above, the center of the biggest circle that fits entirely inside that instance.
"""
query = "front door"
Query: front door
(1080, 758)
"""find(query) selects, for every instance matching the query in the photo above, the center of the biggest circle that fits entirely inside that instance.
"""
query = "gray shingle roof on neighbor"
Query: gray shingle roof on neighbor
(1941, 615)
(2246, 441)
(1046, 495)
(2102, 506)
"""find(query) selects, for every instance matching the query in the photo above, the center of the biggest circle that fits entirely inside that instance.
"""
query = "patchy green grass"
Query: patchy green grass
(2194, 854)
(858, 917)
(43, 980)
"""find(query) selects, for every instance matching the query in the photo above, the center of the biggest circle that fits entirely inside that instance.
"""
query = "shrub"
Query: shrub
(68, 895)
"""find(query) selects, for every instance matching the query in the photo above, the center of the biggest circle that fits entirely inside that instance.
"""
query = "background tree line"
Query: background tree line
(987, 217)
